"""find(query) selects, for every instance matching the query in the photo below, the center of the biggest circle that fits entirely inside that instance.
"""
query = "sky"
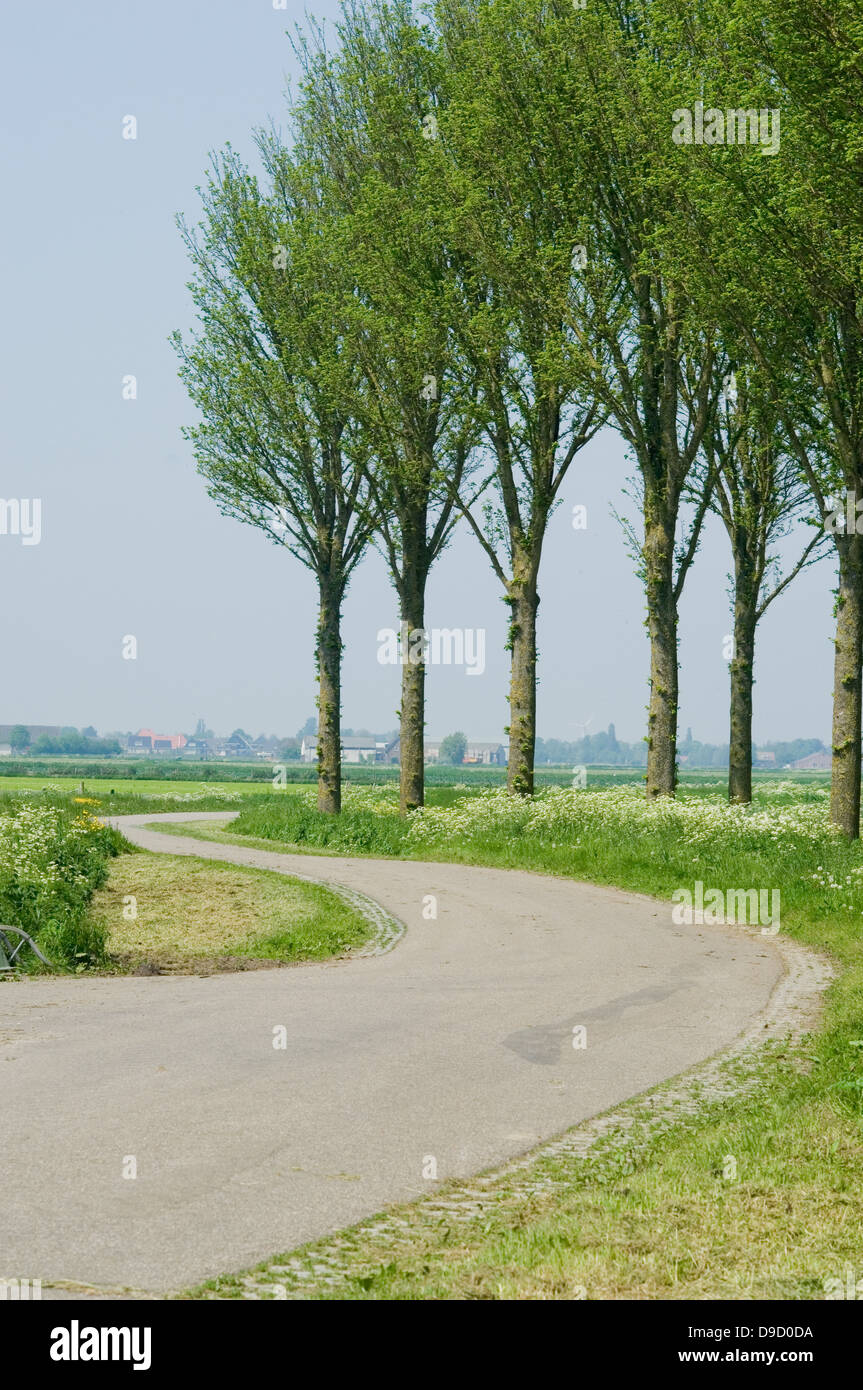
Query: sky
(131, 546)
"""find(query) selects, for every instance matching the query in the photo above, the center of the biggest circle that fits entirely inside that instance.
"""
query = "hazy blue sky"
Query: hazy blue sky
(95, 275)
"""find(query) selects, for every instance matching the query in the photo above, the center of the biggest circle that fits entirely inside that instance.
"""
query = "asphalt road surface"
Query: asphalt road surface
(450, 1052)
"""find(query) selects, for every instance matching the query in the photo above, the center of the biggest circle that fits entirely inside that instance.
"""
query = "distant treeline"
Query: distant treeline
(607, 749)
(73, 744)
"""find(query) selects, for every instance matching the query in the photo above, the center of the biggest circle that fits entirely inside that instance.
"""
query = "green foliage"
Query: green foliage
(72, 744)
(52, 859)
(453, 749)
(369, 823)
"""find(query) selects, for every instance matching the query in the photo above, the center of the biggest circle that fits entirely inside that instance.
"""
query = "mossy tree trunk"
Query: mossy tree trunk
(523, 602)
(328, 652)
(742, 670)
(412, 711)
(845, 785)
(658, 555)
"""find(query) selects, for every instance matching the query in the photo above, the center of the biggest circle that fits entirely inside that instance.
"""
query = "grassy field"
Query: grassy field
(163, 914)
(663, 1222)
(101, 788)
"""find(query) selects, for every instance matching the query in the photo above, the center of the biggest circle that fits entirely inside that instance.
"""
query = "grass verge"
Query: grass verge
(167, 914)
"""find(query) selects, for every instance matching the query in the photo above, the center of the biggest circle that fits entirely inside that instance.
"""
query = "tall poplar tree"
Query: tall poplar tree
(513, 219)
(368, 124)
(779, 239)
(274, 381)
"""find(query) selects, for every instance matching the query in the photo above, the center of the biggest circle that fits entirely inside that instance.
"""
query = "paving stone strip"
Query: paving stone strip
(790, 1014)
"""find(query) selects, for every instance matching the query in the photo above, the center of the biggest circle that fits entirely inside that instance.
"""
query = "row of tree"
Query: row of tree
(493, 233)
(67, 741)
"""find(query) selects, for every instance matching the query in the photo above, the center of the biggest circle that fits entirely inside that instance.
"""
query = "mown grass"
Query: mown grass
(172, 914)
(664, 1222)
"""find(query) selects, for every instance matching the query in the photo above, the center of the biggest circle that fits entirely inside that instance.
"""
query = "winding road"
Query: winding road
(448, 1053)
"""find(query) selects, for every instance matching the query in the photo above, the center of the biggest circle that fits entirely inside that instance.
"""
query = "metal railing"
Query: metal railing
(8, 952)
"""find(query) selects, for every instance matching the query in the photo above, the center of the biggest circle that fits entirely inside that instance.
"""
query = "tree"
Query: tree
(759, 494)
(368, 126)
(514, 215)
(19, 738)
(453, 749)
(650, 359)
(780, 240)
(273, 379)
(595, 128)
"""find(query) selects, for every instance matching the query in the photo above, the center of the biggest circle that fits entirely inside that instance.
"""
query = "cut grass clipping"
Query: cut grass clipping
(172, 914)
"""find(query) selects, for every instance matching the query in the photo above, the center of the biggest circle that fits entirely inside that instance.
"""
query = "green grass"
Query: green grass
(663, 1222)
(193, 915)
(139, 787)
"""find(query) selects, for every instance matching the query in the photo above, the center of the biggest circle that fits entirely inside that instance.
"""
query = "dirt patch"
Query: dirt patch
(205, 965)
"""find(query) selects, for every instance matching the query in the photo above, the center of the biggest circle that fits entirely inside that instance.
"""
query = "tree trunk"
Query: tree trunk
(412, 712)
(523, 602)
(329, 661)
(742, 674)
(662, 627)
(845, 784)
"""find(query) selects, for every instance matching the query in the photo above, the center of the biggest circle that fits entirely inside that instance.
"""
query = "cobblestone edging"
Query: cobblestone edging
(790, 1013)
(386, 930)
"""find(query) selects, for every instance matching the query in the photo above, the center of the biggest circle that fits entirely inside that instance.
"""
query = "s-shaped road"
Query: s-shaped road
(455, 1044)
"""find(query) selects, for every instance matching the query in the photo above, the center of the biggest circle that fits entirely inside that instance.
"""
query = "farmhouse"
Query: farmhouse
(476, 754)
(354, 750)
(146, 741)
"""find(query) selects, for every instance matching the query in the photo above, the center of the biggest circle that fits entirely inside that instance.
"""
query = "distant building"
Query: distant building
(237, 746)
(354, 749)
(816, 762)
(197, 748)
(475, 754)
(265, 747)
(765, 757)
(146, 741)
